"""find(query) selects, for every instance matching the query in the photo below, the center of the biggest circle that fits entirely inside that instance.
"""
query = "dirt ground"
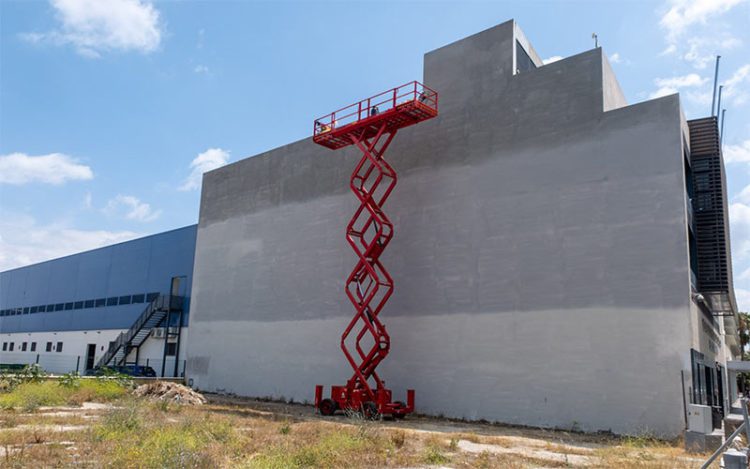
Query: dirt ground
(241, 432)
(542, 448)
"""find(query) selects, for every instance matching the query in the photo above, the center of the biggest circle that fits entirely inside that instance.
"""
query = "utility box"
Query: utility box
(700, 419)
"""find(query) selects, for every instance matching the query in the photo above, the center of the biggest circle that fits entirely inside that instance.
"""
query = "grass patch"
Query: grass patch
(434, 455)
(344, 447)
(140, 435)
(31, 395)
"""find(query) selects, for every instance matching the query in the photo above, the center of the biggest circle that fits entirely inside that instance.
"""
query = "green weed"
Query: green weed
(30, 395)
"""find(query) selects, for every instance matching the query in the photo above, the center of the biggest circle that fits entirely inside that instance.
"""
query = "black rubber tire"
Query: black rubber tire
(370, 410)
(327, 407)
(400, 404)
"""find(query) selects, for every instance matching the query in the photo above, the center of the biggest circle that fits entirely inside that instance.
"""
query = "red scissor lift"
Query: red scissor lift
(370, 125)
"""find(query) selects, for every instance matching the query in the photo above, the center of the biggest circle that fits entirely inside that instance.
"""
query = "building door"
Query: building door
(90, 352)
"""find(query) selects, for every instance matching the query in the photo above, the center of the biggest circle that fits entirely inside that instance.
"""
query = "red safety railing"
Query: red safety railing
(370, 108)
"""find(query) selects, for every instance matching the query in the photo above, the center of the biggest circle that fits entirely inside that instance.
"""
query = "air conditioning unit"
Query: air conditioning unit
(158, 333)
(699, 419)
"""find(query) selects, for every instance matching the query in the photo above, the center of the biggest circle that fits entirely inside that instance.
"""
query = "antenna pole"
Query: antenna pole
(718, 102)
(713, 95)
(721, 130)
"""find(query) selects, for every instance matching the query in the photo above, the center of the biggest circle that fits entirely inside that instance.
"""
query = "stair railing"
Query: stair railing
(125, 338)
(744, 427)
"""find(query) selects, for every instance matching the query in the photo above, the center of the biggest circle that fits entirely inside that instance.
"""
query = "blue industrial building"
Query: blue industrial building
(68, 313)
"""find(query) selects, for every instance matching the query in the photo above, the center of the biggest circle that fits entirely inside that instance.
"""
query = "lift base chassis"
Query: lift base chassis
(357, 401)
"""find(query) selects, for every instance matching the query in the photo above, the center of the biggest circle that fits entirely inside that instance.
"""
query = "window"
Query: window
(138, 298)
(152, 296)
(50, 308)
(112, 301)
(125, 300)
(100, 302)
(88, 304)
(33, 346)
(68, 306)
(59, 347)
(33, 310)
(26, 310)
(703, 182)
(78, 305)
(10, 347)
(5, 346)
(59, 306)
(49, 346)
(23, 346)
(171, 349)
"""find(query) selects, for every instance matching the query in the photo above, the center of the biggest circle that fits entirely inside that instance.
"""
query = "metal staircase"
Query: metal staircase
(151, 317)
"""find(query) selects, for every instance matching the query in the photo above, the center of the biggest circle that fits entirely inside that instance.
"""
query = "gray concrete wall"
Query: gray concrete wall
(539, 254)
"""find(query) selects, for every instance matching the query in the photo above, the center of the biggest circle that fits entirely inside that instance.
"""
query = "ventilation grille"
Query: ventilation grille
(710, 215)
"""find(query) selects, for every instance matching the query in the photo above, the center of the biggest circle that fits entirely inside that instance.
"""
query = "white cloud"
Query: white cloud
(744, 275)
(743, 197)
(684, 13)
(95, 26)
(88, 201)
(552, 59)
(700, 97)
(674, 84)
(743, 299)
(208, 160)
(694, 33)
(735, 88)
(702, 51)
(615, 58)
(670, 49)
(739, 218)
(24, 242)
(201, 38)
(131, 208)
(737, 153)
(201, 69)
(54, 168)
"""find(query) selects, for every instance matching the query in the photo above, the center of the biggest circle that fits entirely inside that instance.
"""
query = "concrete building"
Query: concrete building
(65, 314)
(561, 259)
(550, 265)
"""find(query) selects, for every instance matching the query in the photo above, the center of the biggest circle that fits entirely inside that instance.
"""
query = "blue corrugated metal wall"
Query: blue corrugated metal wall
(141, 266)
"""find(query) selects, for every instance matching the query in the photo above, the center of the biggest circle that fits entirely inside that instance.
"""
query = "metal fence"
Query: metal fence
(60, 363)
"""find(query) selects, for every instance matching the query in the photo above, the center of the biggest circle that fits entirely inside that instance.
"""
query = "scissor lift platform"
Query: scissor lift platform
(370, 125)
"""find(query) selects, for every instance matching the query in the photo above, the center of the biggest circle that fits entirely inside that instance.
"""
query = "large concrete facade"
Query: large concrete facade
(540, 254)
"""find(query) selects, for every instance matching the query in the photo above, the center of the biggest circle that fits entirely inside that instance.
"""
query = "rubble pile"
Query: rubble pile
(173, 392)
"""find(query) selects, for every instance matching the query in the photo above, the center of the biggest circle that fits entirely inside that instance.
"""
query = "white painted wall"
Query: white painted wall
(74, 347)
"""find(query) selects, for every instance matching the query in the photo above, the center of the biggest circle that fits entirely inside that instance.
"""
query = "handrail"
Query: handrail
(379, 103)
(745, 426)
(126, 337)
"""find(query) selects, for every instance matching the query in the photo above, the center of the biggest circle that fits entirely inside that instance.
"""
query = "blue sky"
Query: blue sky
(110, 110)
